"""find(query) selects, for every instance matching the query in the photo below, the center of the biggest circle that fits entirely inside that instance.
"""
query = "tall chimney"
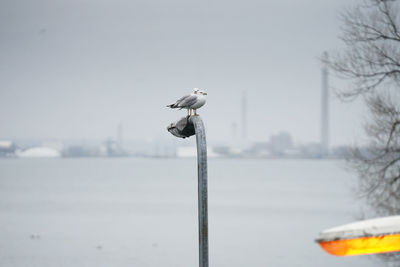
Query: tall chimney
(244, 116)
(120, 135)
(325, 108)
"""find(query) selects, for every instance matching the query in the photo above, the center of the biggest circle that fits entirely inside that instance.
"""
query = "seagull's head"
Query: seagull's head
(202, 92)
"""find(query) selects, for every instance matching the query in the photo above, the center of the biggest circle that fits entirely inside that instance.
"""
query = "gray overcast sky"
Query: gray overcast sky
(76, 68)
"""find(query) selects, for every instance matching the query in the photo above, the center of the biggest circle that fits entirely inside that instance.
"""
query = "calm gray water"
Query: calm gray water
(143, 212)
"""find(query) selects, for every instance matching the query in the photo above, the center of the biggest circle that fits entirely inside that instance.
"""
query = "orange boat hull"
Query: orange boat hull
(362, 245)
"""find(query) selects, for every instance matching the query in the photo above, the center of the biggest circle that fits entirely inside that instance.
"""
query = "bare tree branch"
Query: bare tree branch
(371, 64)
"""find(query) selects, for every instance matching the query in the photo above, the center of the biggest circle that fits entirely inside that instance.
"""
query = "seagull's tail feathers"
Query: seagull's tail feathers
(172, 106)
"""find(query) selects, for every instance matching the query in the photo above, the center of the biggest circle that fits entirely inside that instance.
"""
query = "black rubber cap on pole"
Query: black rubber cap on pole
(182, 128)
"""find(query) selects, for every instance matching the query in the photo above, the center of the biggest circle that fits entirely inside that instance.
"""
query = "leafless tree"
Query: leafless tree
(371, 60)
(371, 64)
(378, 165)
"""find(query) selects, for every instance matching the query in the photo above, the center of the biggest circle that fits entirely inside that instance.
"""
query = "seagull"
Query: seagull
(194, 101)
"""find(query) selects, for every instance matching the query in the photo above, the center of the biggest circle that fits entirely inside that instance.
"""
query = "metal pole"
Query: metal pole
(202, 187)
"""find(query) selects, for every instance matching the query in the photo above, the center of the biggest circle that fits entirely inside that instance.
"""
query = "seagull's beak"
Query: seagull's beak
(204, 93)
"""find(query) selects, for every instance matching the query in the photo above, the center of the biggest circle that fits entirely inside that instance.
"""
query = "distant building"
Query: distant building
(227, 151)
(341, 152)
(191, 152)
(7, 149)
(78, 151)
(312, 150)
(39, 152)
(114, 148)
(280, 143)
(259, 149)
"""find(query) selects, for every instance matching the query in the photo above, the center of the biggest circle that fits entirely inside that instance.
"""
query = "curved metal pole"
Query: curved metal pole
(202, 187)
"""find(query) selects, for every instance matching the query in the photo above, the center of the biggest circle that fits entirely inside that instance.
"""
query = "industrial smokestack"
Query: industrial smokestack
(120, 135)
(325, 108)
(244, 116)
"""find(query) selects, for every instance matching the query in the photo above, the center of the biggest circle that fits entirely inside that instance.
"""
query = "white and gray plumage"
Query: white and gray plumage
(194, 101)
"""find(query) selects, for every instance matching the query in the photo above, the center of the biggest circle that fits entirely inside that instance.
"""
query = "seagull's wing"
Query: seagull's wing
(187, 102)
(181, 99)
(176, 104)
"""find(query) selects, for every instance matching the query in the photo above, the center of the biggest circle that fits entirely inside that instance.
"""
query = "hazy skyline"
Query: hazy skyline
(75, 69)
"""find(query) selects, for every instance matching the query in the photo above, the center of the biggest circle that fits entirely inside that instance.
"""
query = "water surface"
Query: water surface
(143, 212)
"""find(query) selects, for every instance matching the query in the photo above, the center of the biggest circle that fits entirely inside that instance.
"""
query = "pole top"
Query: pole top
(183, 128)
